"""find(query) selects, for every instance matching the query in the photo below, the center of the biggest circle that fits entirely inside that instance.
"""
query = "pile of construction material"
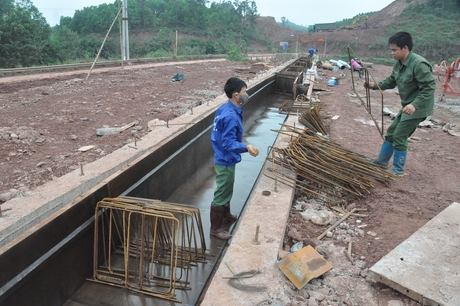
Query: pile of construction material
(323, 170)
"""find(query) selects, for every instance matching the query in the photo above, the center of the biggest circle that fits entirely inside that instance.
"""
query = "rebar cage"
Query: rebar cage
(147, 246)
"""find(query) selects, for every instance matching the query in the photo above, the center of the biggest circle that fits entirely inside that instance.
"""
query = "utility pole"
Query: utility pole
(296, 45)
(125, 33)
(325, 45)
(175, 47)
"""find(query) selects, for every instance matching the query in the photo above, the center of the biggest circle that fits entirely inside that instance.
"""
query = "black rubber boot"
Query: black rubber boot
(228, 216)
(217, 217)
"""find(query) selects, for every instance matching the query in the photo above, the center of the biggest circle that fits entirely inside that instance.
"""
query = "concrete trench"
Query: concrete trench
(50, 262)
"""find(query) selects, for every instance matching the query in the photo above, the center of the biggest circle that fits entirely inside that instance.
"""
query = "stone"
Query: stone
(316, 295)
(395, 303)
(351, 206)
(6, 196)
(294, 234)
(40, 164)
(312, 302)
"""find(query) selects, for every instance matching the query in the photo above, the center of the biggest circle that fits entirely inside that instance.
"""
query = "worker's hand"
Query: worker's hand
(253, 151)
(409, 109)
(369, 85)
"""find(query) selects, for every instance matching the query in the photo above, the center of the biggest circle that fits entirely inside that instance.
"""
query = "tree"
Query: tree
(24, 37)
(66, 41)
(5, 8)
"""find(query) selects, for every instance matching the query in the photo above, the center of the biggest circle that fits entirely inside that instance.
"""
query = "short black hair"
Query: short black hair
(401, 39)
(234, 85)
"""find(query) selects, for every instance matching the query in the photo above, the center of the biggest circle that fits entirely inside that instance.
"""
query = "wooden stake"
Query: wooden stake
(348, 253)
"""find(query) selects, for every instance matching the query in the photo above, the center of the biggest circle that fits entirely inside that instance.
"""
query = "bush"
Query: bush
(234, 54)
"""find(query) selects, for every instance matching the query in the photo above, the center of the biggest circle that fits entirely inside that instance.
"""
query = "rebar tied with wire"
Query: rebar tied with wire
(323, 169)
(148, 246)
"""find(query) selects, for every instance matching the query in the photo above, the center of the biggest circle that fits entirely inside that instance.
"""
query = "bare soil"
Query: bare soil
(46, 118)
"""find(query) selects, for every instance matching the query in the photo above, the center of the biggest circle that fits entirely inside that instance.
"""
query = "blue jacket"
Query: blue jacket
(227, 135)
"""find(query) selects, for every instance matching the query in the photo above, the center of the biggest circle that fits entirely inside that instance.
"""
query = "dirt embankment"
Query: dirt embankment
(361, 40)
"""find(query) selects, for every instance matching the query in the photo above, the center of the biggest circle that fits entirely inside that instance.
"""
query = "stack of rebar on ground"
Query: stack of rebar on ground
(311, 119)
(147, 246)
(323, 169)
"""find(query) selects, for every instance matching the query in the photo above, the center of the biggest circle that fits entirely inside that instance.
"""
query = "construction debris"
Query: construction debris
(235, 280)
(114, 130)
(304, 265)
(340, 221)
(86, 148)
(348, 252)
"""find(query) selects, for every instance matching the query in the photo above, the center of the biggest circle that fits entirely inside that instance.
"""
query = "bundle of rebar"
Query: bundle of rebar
(312, 120)
(148, 246)
(323, 169)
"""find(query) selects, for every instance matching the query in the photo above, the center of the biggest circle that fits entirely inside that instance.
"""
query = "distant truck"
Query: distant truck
(318, 27)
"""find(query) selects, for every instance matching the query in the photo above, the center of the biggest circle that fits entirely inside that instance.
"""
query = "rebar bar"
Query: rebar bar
(367, 105)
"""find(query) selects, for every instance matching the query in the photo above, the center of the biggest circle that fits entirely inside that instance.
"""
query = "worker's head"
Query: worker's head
(400, 45)
(235, 88)
(401, 39)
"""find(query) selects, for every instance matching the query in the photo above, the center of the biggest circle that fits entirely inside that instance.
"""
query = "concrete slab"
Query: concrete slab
(270, 213)
(426, 267)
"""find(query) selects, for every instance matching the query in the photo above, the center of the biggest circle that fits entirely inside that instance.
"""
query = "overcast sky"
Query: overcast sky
(302, 12)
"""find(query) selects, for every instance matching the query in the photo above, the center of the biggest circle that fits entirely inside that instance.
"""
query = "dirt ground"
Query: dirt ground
(45, 119)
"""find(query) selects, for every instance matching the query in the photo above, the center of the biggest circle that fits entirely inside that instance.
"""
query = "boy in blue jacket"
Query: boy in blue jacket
(226, 139)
